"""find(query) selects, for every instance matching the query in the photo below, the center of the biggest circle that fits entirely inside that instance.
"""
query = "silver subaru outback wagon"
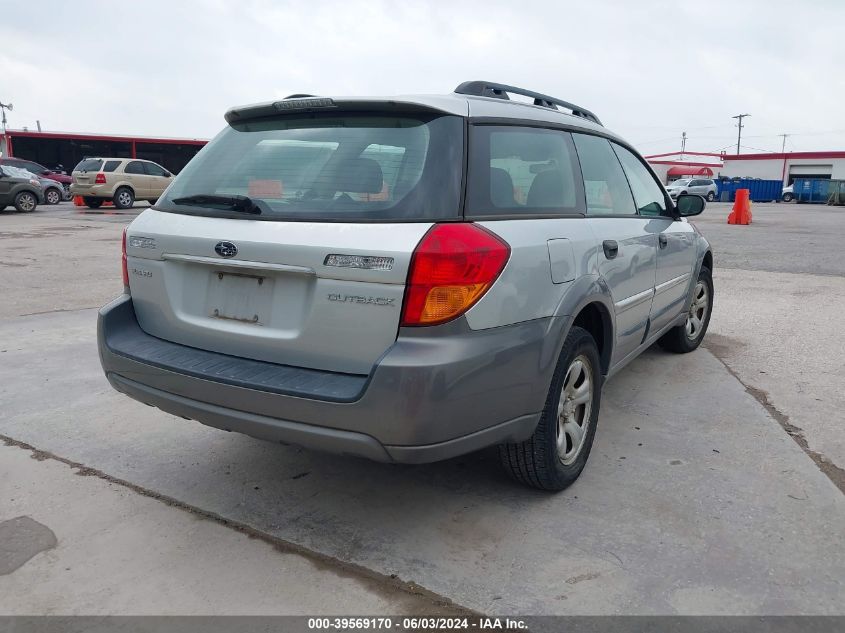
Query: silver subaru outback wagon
(407, 279)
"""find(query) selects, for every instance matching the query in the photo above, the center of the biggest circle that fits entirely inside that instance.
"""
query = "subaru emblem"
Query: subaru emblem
(226, 249)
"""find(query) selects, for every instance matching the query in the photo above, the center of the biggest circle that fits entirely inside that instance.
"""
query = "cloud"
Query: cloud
(650, 70)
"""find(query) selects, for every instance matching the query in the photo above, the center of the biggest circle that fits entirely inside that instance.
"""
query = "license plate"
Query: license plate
(240, 297)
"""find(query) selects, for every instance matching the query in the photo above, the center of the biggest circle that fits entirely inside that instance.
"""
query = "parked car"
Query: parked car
(54, 192)
(787, 194)
(39, 170)
(121, 180)
(322, 274)
(703, 187)
(19, 188)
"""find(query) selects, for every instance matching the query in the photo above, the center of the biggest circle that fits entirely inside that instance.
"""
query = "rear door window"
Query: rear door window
(605, 185)
(522, 171)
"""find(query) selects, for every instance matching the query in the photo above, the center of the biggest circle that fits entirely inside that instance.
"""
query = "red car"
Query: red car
(38, 170)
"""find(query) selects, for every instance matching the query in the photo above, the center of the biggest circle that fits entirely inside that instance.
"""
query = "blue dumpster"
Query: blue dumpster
(814, 190)
(759, 190)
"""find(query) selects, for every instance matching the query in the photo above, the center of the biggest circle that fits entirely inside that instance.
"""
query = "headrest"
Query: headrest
(359, 175)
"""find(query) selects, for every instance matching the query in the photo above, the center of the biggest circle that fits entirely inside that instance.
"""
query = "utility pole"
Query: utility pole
(739, 133)
(3, 108)
(683, 143)
(783, 153)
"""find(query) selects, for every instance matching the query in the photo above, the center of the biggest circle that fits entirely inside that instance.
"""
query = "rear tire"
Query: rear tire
(53, 196)
(688, 336)
(123, 198)
(25, 202)
(93, 203)
(554, 456)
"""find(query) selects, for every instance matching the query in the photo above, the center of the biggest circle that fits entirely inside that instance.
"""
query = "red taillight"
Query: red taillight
(123, 261)
(100, 179)
(451, 269)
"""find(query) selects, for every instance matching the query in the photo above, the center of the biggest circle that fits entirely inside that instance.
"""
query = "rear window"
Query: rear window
(329, 167)
(89, 164)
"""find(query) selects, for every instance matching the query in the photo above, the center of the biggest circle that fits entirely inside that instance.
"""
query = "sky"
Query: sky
(649, 69)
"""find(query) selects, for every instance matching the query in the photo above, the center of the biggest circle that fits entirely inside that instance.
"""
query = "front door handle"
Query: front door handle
(611, 248)
(663, 240)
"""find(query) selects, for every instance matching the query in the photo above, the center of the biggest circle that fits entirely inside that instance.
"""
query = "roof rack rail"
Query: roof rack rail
(500, 91)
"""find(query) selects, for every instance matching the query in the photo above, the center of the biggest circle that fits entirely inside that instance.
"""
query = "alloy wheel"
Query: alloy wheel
(697, 310)
(574, 409)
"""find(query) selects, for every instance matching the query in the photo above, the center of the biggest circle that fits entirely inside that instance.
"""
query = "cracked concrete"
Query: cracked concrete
(780, 332)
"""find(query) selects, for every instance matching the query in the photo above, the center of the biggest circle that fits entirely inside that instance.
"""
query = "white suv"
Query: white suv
(407, 279)
(704, 187)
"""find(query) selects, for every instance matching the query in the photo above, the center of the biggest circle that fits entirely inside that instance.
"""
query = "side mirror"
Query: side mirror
(688, 205)
(167, 174)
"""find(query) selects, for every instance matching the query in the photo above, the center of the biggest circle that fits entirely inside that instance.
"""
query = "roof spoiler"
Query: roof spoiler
(500, 91)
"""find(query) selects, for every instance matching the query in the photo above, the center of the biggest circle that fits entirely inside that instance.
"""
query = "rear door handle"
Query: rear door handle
(663, 240)
(611, 248)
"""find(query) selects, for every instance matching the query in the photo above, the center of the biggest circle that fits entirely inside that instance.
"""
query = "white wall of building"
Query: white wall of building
(773, 168)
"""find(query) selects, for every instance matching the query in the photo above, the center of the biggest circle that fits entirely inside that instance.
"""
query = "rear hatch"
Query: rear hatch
(288, 238)
(85, 173)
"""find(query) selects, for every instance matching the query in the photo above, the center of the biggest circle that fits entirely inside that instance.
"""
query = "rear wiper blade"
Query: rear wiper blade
(236, 203)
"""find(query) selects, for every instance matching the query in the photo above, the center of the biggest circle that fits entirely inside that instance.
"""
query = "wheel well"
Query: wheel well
(595, 319)
(708, 261)
(124, 187)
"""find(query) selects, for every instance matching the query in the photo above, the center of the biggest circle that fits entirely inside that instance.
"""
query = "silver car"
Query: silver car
(407, 279)
(704, 187)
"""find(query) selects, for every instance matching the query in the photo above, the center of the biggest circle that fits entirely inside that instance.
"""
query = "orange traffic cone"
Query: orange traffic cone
(741, 213)
(77, 201)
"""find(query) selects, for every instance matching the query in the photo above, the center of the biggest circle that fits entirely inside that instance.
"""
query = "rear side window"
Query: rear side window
(89, 164)
(134, 167)
(330, 167)
(648, 194)
(518, 170)
(605, 184)
(111, 165)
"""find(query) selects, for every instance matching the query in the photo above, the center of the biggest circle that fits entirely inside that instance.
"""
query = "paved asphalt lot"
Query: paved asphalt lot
(714, 486)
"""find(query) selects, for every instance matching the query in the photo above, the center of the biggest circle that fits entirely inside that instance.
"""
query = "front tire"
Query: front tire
(711, 196)
(25, 202)
(53, 196)
(688, 336)
(123, 198)
(554, 456)
(787, 197)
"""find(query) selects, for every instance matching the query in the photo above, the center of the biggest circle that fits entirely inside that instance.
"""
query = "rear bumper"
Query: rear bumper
(436, 393)
(92, 191)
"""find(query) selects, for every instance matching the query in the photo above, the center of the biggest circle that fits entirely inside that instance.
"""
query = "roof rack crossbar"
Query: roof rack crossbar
(500, 91)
